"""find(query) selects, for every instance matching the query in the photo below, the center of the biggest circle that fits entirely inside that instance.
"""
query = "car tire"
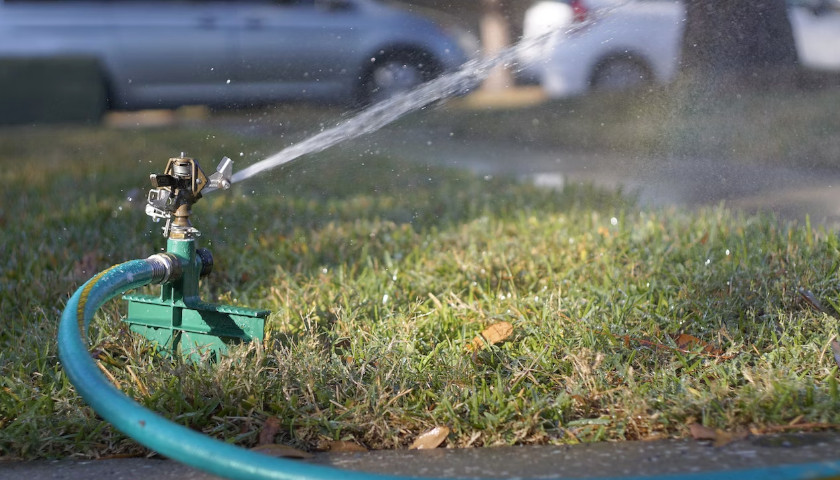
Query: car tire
(396, 72)
(620, 73)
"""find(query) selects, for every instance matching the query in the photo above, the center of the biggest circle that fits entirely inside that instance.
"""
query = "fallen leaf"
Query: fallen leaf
(269, 430)
(699, 432)
(719, 437)
(725, 438)
(496, 333)
(690, 342)
(835, 349)
(685, 344)
(431, 439)
(281, 451)
(342, 446)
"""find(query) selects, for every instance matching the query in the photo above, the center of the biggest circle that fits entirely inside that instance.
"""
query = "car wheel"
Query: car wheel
(391, 74)
(620, 73)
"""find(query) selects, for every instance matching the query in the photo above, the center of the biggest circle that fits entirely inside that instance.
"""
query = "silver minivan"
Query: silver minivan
(167, 53)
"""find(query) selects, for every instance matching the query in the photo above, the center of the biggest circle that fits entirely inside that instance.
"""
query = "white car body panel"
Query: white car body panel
(649, 31)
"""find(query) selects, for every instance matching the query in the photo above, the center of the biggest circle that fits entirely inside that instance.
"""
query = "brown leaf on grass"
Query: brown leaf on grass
(496, 333)
(835, 349)
(684, 344)
(269, 430)
(690, 342)
(343, 446)
(700, 432)
(281, 451)
(717, 436)
(430, 439)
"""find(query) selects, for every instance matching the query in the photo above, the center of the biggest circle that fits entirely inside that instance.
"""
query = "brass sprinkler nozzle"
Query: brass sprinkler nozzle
(177, 189)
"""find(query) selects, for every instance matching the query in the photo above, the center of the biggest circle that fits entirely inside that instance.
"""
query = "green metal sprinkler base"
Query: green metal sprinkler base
(180, 322)
(194, 330)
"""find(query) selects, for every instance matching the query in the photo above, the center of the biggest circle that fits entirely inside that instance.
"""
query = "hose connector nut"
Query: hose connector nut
(166, 268)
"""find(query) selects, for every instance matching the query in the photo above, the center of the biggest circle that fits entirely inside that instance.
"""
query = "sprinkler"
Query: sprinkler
(177, 319)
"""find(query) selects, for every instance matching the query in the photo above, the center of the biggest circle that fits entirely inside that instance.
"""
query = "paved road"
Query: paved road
(578, 461)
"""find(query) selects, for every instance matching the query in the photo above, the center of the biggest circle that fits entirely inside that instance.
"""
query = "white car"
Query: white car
(636, 41)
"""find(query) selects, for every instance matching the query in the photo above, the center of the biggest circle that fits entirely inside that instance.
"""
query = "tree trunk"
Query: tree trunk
(749, 42)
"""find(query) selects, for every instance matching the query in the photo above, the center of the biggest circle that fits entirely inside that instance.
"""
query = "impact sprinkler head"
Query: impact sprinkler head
(176, 189)
(177, 319)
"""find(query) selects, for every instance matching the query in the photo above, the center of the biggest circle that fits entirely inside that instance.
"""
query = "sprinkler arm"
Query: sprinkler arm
(221, 179)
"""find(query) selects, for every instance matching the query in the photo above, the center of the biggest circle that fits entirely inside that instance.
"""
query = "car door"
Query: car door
(291, 49)
(816, 28)
(172, 52)
(55, 28)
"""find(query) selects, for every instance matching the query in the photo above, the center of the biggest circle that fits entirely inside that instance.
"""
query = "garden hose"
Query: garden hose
(226, 460)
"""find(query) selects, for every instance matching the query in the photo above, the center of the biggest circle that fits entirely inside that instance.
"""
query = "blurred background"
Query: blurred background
(686, 102)
(70, 61)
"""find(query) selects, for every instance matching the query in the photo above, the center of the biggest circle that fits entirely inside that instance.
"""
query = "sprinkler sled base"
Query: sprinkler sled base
(195, 330)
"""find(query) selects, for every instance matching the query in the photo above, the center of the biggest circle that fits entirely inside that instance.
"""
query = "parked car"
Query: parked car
(638, 41)
(159, 53)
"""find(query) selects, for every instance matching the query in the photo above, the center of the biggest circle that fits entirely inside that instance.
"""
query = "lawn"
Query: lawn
(627, 323)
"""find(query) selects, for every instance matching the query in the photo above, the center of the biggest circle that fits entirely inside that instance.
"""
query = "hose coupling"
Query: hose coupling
(166, 267)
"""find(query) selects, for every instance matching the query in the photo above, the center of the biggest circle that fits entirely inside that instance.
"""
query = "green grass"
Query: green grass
(779, 126)
(380, 273)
